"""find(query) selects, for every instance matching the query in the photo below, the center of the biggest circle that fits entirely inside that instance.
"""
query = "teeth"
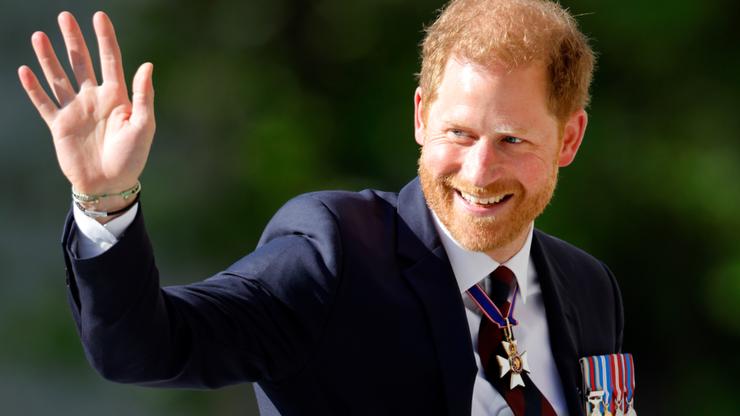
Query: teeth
(482, 201)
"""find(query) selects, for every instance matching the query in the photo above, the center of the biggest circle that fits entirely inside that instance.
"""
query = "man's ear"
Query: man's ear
(419, 127)
(573, 131)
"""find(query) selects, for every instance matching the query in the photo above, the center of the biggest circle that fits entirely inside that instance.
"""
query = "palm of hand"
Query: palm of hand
(102, 138)
(96, 128)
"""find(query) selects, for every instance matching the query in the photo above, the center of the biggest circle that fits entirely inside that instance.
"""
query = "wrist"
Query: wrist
(103, 207)
(117, 196)
(104, 215)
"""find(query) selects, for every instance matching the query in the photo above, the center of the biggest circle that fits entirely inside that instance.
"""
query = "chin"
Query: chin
(484, 233)
(476, 231)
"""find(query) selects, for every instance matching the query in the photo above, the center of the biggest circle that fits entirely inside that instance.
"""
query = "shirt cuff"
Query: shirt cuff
(95, 238)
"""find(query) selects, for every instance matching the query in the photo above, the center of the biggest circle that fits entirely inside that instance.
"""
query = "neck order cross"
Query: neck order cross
(501, 313)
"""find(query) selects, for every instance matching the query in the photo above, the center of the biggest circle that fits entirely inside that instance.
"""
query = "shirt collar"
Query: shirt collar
(470, 267)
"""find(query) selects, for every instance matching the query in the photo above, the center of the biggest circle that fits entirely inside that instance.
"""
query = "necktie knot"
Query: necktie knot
(502, 282)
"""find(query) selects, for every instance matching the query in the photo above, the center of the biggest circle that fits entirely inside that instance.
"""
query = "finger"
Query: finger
(142, 110)
(79, 57)
(40, 100)
(55, 75)
(111, 65)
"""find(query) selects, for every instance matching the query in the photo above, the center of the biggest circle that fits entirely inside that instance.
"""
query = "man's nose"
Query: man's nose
(482, 163)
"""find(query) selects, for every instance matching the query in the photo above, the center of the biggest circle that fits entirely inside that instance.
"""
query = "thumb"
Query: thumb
(142, 110)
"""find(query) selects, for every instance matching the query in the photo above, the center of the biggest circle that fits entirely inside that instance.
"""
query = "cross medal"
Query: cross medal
(516, 363)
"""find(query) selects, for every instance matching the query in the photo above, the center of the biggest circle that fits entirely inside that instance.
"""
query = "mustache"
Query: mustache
(502, 186)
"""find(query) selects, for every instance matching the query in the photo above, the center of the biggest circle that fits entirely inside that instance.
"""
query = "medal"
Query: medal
(606, 383)
(631, 411)
(594, 398)
(515, 362)
(617, 383)
(594, 393)
(630, 387)
(598, 385)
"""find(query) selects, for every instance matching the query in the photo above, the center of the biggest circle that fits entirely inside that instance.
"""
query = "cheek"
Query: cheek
(441, 159)
(534, 170)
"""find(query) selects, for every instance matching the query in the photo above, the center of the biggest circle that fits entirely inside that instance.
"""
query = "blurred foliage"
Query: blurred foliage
(260, 100)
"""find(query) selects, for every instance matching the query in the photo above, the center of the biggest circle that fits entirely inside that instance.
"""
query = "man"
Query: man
(359, 303)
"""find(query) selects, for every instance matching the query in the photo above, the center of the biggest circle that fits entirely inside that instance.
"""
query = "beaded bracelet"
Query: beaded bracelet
(81, 198)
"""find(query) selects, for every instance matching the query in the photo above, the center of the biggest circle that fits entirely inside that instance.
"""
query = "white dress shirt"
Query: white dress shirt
(470, 267)
(532, 335)
(96, 238)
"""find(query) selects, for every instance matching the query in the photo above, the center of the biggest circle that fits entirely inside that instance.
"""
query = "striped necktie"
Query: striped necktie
(523, 401)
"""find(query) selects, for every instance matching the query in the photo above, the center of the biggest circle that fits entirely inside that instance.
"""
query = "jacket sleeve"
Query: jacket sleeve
(260, 319)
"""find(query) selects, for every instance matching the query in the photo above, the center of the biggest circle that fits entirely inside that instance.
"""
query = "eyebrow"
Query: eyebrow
(499, 128)
(511, 129)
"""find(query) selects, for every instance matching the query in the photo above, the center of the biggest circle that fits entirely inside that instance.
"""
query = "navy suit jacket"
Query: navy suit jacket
(347, 306)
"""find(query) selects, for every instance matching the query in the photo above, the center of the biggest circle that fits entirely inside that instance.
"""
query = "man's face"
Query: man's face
(490, 153)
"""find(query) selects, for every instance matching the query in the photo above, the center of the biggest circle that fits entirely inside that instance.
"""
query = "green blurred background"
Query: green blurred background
(260, 100)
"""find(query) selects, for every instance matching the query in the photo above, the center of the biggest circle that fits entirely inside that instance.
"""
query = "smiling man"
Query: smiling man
(440, 299)
(490, 152)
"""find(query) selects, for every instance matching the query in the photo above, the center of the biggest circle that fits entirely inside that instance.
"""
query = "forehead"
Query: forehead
(495, 93)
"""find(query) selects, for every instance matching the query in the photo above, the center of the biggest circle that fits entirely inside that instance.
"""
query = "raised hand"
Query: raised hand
(102, 138)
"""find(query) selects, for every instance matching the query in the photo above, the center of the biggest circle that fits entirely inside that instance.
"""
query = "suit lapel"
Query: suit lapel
(562, 323)
(430, 276)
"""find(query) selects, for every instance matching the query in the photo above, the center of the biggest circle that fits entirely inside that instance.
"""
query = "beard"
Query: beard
(485, 233)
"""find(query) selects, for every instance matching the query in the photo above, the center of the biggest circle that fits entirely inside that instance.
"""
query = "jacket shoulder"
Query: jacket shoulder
(566, 254)
(349, 211)
(341, 201)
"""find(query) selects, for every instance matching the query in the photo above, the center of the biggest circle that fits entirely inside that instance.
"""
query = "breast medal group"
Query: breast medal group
(609, 385)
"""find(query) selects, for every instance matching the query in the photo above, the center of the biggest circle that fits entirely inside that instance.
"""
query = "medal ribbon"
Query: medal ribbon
(587, 381)
(604, 372)
(616, 382)
(592, 374)
(622, 361)
(586, 375)
(597, 379)
(630, 377)
(625, 382)
(486, 305)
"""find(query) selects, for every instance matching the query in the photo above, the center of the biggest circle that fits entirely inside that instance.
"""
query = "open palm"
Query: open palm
(102, 138)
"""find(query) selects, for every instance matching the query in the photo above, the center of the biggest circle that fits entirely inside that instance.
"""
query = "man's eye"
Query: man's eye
(512, 140)
(457, 133)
